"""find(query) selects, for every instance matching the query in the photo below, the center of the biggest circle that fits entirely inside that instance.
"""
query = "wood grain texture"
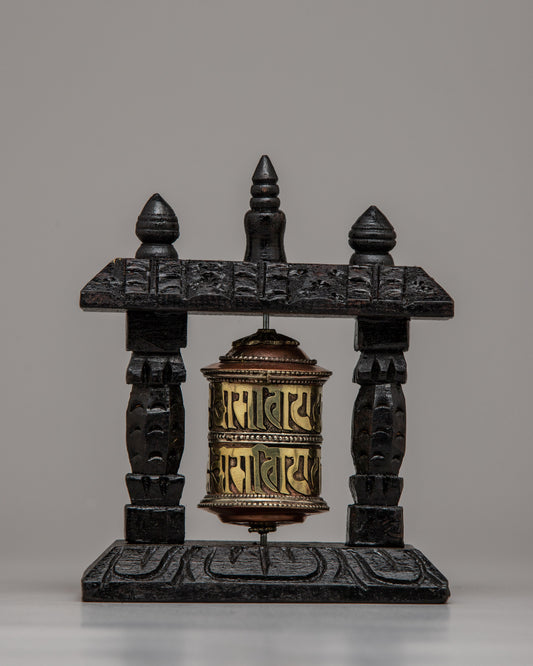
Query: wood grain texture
(155, 426)
(378, 432)
(236, 287)
(247, 572)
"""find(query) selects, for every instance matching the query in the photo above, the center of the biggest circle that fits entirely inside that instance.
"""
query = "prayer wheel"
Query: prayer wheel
(264, 433)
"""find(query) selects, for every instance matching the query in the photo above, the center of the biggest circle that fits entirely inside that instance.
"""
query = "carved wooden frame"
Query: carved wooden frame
(157, 290)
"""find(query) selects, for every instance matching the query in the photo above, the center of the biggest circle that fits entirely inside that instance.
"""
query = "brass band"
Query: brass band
(278, 407)
(250, 502)
(264, 469)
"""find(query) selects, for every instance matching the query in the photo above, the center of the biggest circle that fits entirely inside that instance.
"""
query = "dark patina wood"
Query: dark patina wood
(244, 288)
(158, 291)
(225, 571)
(264, 223)
(378, 423)
(155, 417)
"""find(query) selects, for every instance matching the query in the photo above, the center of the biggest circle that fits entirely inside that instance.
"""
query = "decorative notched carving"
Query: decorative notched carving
(380, 367)
(208, 283)
(378, 433)
(313, 288)
(155, 490)
(376, 489)
(378, 447)
(378, 429)
(237, 287)
(155, 429)
(280, 572)
(155, 426)
(155, 369)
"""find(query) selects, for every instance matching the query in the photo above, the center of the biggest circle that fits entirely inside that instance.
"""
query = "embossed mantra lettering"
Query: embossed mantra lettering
(260, 468)
(287, 407)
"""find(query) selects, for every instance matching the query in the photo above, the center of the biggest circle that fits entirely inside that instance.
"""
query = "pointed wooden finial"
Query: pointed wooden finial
(265, 177)
(372, 236)
(264, 223)
(157, 227)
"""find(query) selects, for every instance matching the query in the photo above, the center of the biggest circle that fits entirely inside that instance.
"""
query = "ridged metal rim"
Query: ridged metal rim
(316, 505)
(215, 436)
(268, 359)
(274, 376)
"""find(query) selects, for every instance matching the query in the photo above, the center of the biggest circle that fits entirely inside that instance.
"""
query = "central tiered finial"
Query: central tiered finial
(264, 222)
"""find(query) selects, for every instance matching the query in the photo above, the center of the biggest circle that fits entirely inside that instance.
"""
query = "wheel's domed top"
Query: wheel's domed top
(268, 350)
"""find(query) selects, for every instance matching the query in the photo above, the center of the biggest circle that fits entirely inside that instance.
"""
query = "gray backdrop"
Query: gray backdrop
(422, 108)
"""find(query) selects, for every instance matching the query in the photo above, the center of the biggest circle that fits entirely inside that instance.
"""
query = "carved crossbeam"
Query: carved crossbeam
(239, 287)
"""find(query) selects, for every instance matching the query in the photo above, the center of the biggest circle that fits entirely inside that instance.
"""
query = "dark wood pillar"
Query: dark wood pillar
(378, 434)
(155, 419)
(378, 423)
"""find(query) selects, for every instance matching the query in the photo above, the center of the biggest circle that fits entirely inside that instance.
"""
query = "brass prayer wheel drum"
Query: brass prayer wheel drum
(264, 433)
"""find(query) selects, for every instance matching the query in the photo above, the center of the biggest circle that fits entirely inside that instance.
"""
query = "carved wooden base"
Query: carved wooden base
(222, 571)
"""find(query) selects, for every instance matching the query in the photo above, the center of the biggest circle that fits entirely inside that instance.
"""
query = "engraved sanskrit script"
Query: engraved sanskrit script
(261, 468)
(287, 407)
